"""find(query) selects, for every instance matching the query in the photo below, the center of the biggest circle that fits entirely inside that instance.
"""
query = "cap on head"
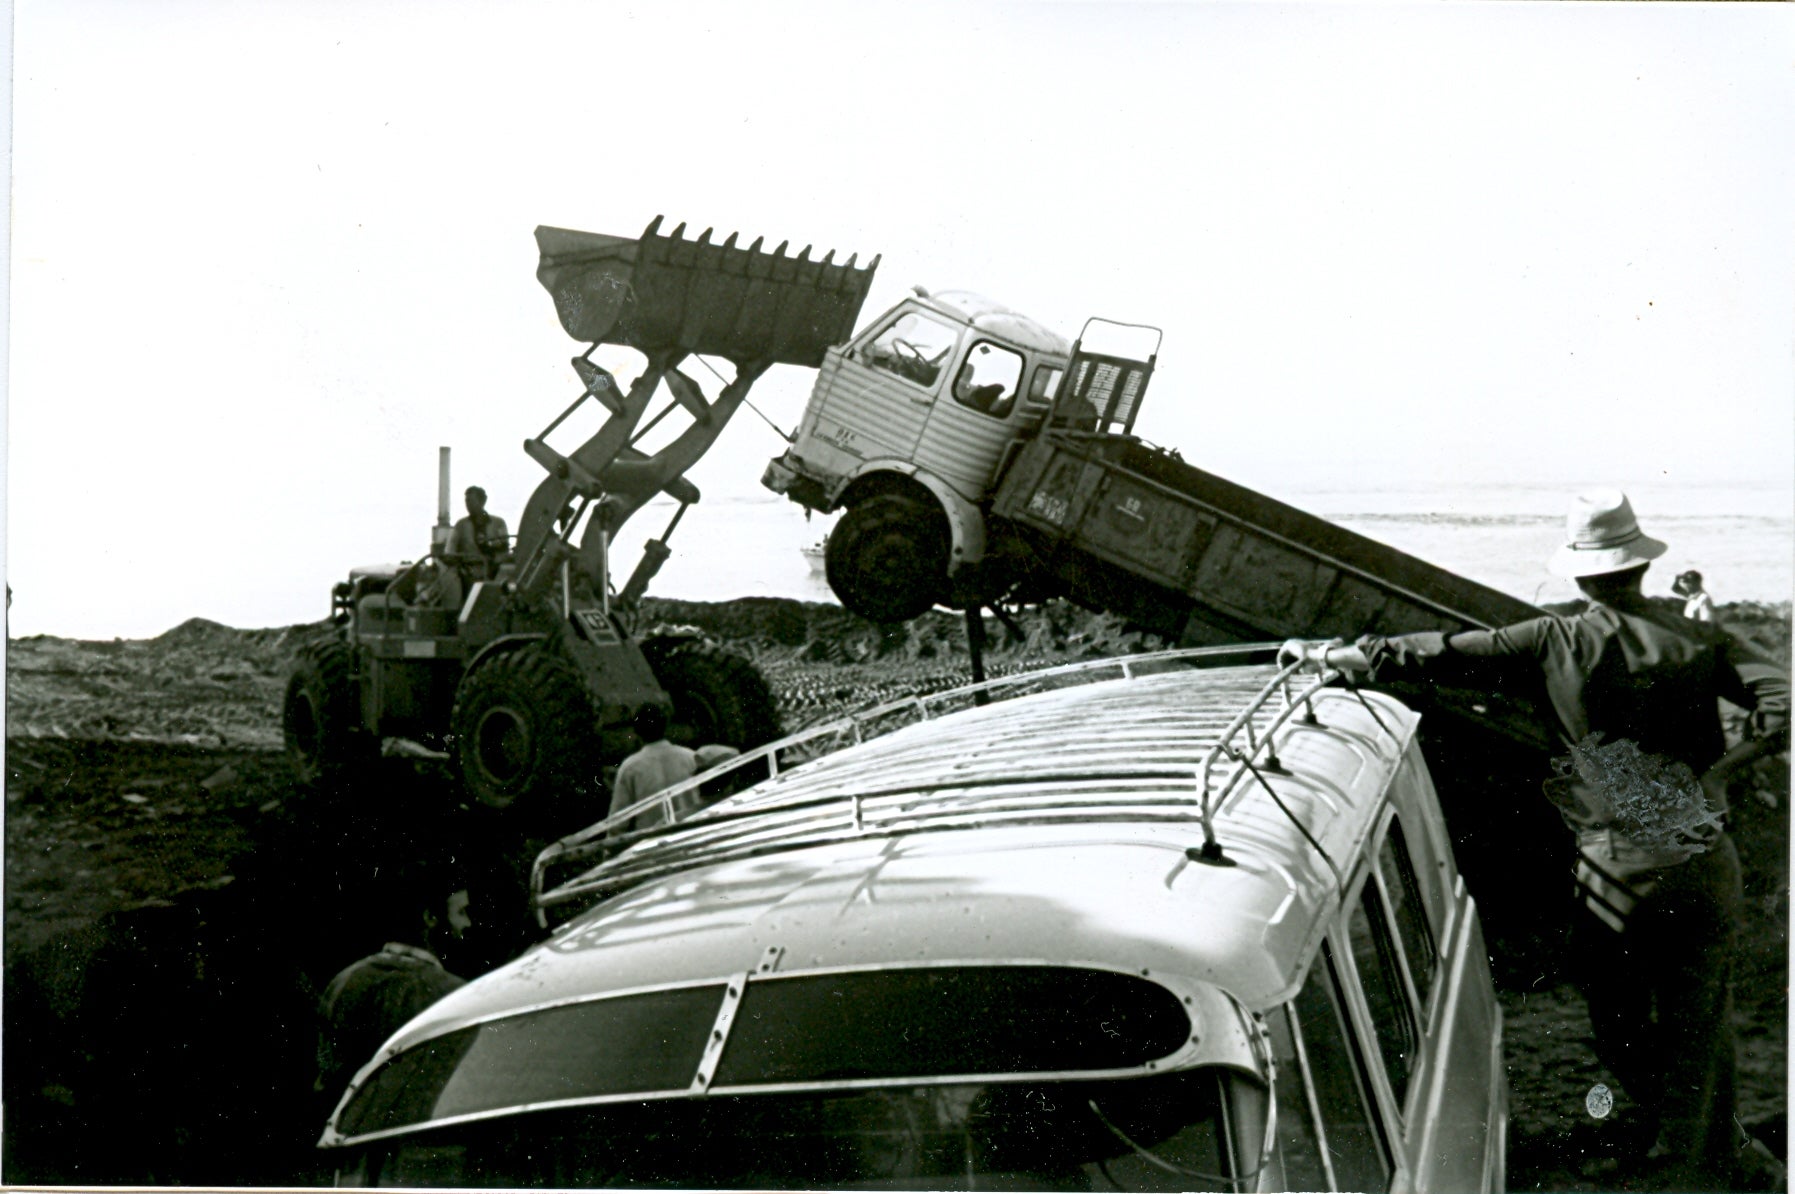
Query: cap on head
(713, 753)
(1601, 535)
(1690, 580)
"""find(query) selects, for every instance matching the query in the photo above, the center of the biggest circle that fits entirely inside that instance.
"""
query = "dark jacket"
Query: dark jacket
(1626, 669)
(370, 1000)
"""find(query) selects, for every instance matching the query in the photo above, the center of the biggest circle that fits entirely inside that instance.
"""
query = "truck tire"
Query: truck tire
(321, 716)
(525, 731)
(886, 560)
(718, 698)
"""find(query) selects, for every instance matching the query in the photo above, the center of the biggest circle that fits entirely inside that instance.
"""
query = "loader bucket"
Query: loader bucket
(660, 293)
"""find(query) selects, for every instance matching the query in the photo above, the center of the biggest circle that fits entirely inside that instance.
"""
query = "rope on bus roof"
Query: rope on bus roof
(1339, 880)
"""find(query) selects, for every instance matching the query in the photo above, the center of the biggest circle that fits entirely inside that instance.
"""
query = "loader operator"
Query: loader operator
(477, 545)
(1653, 929)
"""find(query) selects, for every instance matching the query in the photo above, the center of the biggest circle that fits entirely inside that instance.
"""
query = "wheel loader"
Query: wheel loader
(529, 673)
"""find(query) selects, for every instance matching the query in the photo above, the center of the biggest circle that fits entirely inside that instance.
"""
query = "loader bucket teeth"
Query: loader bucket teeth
(668, 295)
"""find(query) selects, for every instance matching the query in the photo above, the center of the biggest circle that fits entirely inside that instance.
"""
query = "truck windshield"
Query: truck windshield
(1164, 1132)
(915, 347)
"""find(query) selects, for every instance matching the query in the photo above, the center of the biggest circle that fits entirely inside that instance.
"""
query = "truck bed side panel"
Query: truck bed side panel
(1229, 551)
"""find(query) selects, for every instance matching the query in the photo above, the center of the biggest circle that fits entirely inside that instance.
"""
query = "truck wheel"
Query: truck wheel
(718, 697)
(886, 560)
(524, 730)
(321, 716)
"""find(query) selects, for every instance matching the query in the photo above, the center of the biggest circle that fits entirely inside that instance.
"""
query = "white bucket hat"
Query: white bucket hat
(1601, 535)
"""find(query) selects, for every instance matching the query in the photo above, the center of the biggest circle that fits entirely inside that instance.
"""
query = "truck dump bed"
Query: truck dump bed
(1133, 530)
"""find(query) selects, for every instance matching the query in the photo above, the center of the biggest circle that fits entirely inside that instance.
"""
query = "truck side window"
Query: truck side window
(1044, 386)
(1403, 890)
(1374, 956)
(989, 379)
(915, 347)
(1336, 1070)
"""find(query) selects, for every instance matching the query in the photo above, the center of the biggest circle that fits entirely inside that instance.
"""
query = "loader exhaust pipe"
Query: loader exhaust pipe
(439, 534)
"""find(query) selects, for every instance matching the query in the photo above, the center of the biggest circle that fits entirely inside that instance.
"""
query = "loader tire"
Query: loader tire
(321, 717)
(718, 698)
(525, 734)
(886, 559)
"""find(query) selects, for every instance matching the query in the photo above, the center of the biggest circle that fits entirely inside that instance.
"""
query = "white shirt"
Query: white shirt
(656, 766)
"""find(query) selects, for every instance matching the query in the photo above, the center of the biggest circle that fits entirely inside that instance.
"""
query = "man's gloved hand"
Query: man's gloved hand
(1305, 655)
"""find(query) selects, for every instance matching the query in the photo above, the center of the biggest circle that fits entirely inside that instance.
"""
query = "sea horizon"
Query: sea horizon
(1739, 535)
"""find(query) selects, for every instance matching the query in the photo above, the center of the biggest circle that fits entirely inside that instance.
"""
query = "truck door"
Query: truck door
(875, 397)
(980, 413)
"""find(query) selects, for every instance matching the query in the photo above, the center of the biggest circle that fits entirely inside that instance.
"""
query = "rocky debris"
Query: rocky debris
(203, 684)
(200, 684)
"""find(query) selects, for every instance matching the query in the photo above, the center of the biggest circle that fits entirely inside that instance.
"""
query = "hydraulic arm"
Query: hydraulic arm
(668, 298)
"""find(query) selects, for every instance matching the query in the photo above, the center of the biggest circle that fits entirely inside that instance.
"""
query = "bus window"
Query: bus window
(1425, 843)
(1374, 956)
(1403, 890)
(1299, 1137)
(1336, 1069)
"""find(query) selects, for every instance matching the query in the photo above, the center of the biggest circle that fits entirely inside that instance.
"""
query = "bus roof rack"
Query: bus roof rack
(777, 822)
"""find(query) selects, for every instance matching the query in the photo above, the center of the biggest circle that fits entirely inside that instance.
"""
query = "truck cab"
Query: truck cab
(940, 385)
(908, 427)
(1178, 921)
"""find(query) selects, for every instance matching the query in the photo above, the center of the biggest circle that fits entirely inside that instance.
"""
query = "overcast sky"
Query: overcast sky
(266, 258)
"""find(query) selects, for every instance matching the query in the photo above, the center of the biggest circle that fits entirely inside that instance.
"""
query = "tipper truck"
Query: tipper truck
(978, 458)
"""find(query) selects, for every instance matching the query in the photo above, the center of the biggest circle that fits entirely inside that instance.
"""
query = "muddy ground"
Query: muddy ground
(174, 904)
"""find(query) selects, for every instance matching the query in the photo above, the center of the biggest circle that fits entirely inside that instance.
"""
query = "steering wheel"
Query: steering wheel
(910, 348)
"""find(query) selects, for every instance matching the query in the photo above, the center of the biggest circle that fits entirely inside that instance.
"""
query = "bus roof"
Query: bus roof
(1063, 827)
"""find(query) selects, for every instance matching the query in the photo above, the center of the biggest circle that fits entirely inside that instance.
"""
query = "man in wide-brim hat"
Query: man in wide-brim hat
(1656, 908)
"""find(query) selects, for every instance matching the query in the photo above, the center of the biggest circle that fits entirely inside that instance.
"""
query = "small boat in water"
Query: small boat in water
(815, 554)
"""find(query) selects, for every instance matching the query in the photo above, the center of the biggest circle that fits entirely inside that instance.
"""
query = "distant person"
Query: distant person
(477, 545)
(658, 764)
(371, 999)
(1697, 604)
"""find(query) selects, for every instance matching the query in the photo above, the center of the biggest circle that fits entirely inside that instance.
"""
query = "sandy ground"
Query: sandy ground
(174, 904)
